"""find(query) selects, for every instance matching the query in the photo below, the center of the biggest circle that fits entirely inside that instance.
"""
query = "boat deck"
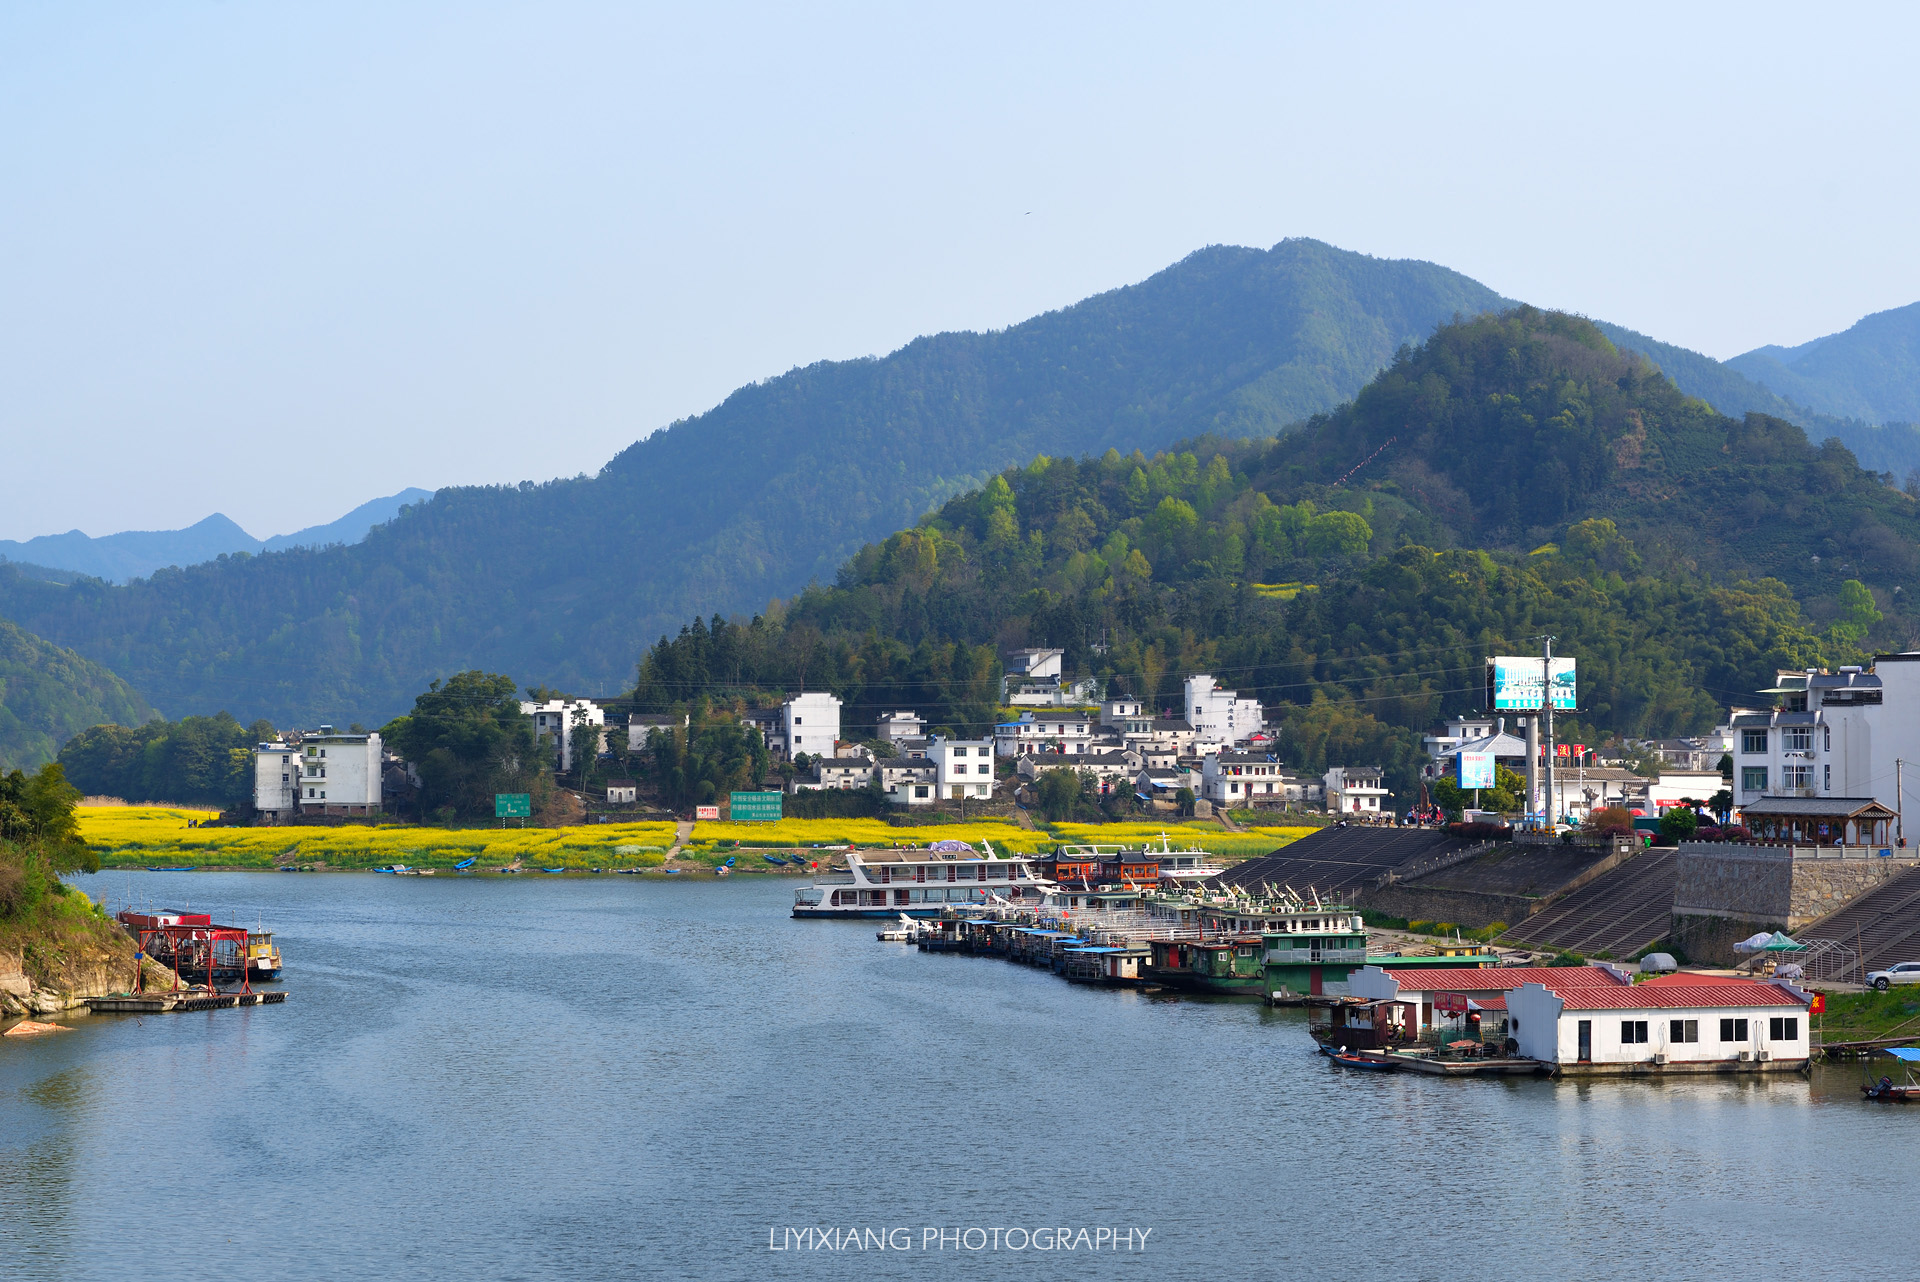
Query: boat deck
(161, 1003)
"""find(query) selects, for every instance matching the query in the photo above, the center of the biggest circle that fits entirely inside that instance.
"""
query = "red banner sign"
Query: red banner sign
(1819, 1004)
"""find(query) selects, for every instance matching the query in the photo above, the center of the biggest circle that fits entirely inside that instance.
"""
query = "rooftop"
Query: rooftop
(1500, 979)
(1672, 996)
(1816, 807)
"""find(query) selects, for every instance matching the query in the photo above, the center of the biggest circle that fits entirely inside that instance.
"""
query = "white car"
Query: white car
(1900, 973)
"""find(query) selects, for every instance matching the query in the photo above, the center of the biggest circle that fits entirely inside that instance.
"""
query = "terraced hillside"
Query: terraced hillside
(1342, 861)
(1619, 912)
(1509, 883)
(1881, 927)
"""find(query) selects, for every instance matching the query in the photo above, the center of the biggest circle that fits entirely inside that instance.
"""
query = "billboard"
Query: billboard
(756, 807)
(1515, 684)
(706, 812)
(512, 805)
(1476, 769)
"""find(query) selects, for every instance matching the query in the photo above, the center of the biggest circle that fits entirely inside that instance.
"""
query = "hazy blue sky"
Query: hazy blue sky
(274, 260)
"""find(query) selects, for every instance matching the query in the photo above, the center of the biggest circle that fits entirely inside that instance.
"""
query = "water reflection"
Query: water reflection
(598, 1078)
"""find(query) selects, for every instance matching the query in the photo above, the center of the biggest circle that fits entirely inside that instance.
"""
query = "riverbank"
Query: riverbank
(61, 951)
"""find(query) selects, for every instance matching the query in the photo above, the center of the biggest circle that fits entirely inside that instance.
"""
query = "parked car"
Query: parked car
(1900, 973)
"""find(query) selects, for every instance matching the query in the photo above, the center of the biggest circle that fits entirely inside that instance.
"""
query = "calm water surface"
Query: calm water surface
(611, 1077)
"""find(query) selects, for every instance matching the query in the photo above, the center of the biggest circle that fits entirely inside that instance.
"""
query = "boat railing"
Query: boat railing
(835, 879)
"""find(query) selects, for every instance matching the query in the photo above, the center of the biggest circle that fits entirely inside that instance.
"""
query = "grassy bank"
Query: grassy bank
(1862, 1017)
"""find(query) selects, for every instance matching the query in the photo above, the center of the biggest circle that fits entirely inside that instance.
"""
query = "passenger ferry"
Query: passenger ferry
(919, 883)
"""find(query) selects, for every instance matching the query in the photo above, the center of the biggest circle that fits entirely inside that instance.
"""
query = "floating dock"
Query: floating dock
(161, 1003)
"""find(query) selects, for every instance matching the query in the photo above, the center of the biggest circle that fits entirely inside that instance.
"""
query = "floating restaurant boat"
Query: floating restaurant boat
(921, 883)
(192, 945)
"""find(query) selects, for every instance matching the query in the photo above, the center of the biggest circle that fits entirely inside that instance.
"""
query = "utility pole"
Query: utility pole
(1546, 703)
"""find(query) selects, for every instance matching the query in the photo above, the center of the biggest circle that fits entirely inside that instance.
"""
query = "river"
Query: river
(619, 1077)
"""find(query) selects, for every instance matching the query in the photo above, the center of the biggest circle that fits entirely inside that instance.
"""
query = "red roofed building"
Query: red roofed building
(1412, 992)
(1678, 1023)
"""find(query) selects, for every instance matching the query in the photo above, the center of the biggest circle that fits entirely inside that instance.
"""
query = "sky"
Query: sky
(274, 260)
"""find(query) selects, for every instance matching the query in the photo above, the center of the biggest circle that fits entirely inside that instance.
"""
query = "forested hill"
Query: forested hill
(1515, 476)
(564, 582)
(47, 694)
(1869, 371)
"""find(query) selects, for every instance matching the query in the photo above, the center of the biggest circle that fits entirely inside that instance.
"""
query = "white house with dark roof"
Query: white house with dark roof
(1241, 779)
(1064, 732)
(1356, 790)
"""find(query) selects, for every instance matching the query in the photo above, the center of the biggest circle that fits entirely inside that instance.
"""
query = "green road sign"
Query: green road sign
(512, 805)
(756, 807)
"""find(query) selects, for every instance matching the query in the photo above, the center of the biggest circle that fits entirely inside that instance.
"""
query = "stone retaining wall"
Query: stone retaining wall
(1765, 884)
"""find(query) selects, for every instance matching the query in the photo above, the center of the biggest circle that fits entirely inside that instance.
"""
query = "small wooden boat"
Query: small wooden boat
(181, 868)
(553, 870)
(775, 859)
(1345, 1060)
(629, 872)
(468, 862)
(1888, 1091)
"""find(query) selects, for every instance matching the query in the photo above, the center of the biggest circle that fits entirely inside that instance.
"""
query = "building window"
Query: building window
(1829, 738)
(1753, 742)
(1684, 1030)
(1797, 777)
(1797, 739)
(1753, 778)
(1733, 1030)
(1826, 777)
(1783, 1029)
(1633, 1032)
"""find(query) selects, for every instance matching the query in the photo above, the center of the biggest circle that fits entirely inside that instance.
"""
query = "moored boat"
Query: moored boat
(921, 883)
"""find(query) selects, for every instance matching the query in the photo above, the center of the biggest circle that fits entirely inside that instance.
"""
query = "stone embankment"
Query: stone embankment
(45, 976)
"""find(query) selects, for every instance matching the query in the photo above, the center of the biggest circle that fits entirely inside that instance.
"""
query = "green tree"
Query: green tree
(1679, 822)
(1858, 614)
(468, 740)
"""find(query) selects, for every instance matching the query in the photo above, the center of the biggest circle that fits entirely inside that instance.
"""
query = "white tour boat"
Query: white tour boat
(920, 883)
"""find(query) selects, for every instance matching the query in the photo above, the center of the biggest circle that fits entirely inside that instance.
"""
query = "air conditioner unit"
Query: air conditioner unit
(1660, 1058)
(1745, 1056)
(1765, 1056)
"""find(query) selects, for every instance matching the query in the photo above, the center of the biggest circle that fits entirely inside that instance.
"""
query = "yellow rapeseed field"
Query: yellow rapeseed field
(159, 836)
(1207, 837)
(1006, 837)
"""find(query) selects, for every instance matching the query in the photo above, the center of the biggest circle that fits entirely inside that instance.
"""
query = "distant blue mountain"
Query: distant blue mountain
(1870, 371)
(135, 554)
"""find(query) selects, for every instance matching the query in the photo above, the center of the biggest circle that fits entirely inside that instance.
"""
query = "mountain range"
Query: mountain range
(566, 582)
(137, 553)
(1870, 371)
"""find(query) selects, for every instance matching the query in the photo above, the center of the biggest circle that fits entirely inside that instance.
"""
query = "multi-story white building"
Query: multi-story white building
(1066, 732)
(1355, 790)
(901, 727)
(1241, 779)
(1850, 733)
(962, 767)
(811, 724)
(276, 779)
(1222, 715)
(339, 773)
(566, 721)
